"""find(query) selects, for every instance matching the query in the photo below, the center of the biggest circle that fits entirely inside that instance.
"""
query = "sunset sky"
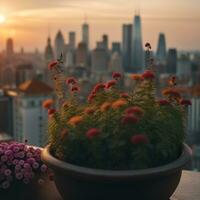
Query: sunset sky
(27, 21)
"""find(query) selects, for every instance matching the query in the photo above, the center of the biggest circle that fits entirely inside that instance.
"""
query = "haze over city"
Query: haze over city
(30, 22)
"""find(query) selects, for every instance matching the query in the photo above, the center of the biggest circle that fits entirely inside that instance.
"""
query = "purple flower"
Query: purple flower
(8, 152)
(18, 167)
(4, 158)
(35, 165)
(7, 172)
(30, 160)
(43, 168)
(21, 154)
(41, 181)
(27, 166)
(5, 185)
(16, 149)
(21, 162)
(26, 180)
(29, 155)
(19, 176)
(15, 162)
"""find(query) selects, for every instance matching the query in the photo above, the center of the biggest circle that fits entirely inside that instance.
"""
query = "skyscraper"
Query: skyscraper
(105, 41)
(85, 34)
(172, 61)
(9, 47)
(48, 54)
(127, 46)
(137, 50)
(72, 40)
(82, 55)
(59, 44)
(116, 47)
(161, 49)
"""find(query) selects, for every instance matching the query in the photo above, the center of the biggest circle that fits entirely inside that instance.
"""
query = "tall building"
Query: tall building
(116, 47)
(9, 47)
(137, 50)
(82, 55)
(161, 53)
(30, 119)
(48, 53)
(127, 46)
(59, 45)
(99, 60)
(115, 62)
(85, 34)
(171, 61)
(72, 40)
(105, 41)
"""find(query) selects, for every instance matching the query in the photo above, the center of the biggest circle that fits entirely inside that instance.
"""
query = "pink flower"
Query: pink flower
(92, 133)
(71, 80)
(135, 110)
(91, 97)
(111, 84)
(139, 139)
(163, 102)
(52, 65)
(19, 176)
(117, 75)
(43, 168)
(148, 74)
(99, 86)
(185, 102)
(7, 172)
(124, 95)
(130, 119)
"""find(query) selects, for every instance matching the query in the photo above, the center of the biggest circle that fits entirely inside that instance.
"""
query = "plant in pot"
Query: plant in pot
(21, 171)
(118, 145)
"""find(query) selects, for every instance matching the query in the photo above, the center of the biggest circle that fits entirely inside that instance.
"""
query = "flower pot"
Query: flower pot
(80, 183)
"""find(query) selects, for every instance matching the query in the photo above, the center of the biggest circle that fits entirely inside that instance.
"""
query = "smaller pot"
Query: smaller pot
(80, 183)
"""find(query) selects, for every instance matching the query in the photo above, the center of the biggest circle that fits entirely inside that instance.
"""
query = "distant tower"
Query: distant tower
(105, 41)
(137, 51)
(9, 47)
(85, 34)
(48, 54)
(161, 49)
(59, 44)
(72, 40)
(127, 46)
(116, 47)
(115, 62)
(82, 55)
(172, 61)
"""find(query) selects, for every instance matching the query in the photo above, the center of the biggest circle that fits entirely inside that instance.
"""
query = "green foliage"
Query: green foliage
(117, 143)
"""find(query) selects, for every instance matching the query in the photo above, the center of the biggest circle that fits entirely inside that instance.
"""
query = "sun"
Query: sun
(2, 19)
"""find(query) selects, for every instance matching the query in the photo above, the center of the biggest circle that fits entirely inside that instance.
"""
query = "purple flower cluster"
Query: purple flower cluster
(20, 162)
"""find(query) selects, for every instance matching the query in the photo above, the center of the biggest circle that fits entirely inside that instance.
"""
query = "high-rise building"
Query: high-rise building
(161, 53)
(115, 62)
(116, 47)
(82, 55)
(171, 61)
(9, 47)
(70, 56)
(30, 119)
(137, 50)
(105, 41)
(85, 34)
(127, 46)
(59, 44)
(99, 60)
(48, 54)
(72, 40)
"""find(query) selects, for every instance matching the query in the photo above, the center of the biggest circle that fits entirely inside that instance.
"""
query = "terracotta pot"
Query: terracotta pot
(80, 183)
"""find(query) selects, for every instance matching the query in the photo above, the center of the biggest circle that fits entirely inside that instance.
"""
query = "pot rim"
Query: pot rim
(91, 173)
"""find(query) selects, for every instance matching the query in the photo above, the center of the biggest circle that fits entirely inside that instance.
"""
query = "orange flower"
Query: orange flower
(136, 77)
(171, 92)
(47, 103)
(119, 103)
(105, 106)
(89, 111)
(75, 120)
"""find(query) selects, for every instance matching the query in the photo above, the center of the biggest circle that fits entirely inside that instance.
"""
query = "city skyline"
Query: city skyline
(25, 19)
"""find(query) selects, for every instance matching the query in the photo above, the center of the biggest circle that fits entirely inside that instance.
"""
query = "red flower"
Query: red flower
(130, 118)
(51, 111)
(124, 95)
(148, 74)
(135, 110)
(91, 97)
(92, 133)
(148, 45)
(185, 102)
(163, 102)
(71, 80)
(139, 139)
(52, 64)
(75, 89)
(98, 87)
(111, 83)
(117, 75)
